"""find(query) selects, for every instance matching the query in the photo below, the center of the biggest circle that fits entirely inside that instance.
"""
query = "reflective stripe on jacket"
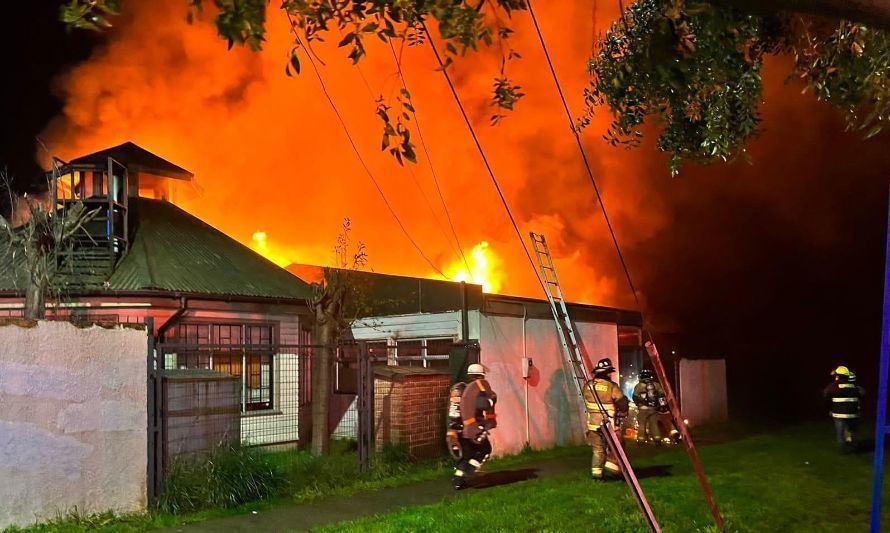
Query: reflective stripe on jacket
(844, 399)
(609, 394)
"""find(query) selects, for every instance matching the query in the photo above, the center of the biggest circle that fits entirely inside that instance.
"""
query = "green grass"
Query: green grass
(296, 476)
(793, 480)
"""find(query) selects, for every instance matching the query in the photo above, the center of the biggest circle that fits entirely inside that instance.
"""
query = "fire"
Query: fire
(278, 255)
(484, 268)
(274, 170)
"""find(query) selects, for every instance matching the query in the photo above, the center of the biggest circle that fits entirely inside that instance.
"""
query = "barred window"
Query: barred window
(242, 350)
(426, 353)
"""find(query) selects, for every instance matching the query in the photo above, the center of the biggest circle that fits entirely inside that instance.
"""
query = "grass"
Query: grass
(243, 480)
(793, 480)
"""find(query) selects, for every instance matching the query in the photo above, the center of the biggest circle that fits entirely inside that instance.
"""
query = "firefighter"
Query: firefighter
(471, 416)
(614, 403)
(650, 401)
(844, 396)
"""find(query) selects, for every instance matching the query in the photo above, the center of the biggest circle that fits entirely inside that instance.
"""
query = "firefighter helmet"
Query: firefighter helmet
(476, 370)
(841, 371)
(852, 377)
(604, 366)
(646, 375)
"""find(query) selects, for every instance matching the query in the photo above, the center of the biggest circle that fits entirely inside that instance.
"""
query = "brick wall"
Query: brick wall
(409, 408)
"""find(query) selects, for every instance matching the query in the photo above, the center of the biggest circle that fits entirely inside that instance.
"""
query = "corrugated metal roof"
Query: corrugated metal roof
(173, 251)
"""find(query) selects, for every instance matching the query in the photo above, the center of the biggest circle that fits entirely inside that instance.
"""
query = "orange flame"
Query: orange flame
(268, 152)
(484, 268)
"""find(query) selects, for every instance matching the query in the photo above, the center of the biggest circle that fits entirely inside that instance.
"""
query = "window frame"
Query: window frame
(241, 354)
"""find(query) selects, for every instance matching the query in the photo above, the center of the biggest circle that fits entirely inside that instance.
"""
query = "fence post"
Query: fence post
(365, 407)
(152, 483)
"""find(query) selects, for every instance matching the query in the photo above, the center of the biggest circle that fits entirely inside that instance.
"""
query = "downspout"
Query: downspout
(524, 358)
(183, 306)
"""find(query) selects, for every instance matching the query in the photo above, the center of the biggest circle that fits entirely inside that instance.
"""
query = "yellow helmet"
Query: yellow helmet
(841, 371)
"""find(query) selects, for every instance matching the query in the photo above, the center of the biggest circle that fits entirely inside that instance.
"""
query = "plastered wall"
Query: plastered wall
(73, 420)
(554, 416)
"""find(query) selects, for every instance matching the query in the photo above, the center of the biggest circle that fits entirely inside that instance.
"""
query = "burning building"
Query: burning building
(225, 306)
(218, 305)
(417, 322)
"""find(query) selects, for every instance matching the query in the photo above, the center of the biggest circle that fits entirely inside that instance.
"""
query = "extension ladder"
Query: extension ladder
(581, 375)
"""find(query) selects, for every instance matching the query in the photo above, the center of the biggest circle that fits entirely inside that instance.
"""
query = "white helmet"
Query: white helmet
(476, 369)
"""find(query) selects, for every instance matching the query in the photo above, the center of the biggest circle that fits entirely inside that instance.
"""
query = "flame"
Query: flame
(268, 152)
(277, 254)
(484, 268)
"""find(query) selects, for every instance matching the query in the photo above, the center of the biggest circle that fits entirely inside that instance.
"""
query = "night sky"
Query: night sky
(783, 278)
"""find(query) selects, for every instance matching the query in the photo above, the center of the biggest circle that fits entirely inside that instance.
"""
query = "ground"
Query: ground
(790, 479)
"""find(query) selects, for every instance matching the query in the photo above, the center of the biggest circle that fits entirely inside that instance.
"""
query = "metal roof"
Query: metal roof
(390, 295)
(175, 252)
(136, 159)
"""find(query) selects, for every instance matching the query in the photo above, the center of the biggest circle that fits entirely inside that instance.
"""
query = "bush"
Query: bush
(226, 477)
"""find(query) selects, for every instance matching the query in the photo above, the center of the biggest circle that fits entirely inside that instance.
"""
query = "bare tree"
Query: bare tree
(30, 242)
(331, 298)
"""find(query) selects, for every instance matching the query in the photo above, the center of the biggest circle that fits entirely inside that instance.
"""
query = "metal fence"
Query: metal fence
(203, 395)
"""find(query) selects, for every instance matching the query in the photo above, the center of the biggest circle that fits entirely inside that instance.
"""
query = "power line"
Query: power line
(494, 180)
(577, 136)
(358, 154)
(426, 199)
(429, 160)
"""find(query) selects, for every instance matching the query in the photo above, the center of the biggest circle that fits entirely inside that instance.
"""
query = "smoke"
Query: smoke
(269, 155)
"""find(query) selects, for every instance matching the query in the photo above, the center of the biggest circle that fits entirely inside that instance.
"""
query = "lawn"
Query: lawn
(790, 480)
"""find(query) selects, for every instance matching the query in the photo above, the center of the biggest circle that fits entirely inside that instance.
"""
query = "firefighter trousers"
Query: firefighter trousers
(604, 461)
(648, 431)
(473, 455)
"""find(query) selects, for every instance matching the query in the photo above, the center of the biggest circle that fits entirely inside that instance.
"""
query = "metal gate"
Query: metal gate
(202, 395)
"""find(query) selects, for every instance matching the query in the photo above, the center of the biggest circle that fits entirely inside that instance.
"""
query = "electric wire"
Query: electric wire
(429, 160)
(358, 154)
(416, 181)
(485, 162)
(583, 153)
(691, 450)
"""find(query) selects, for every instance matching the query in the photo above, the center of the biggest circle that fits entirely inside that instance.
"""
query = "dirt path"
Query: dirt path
(338, 509)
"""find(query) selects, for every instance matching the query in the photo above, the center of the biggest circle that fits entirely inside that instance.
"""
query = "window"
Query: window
(242, 350)
(426, 353)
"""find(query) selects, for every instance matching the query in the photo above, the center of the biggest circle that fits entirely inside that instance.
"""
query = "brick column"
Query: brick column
(409, 408)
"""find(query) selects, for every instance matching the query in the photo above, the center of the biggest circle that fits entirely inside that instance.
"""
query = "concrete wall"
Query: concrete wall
(703, 391)
(72, 420)
(554, 407)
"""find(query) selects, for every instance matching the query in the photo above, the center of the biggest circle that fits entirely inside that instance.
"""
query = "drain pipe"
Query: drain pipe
(526, 370)
(183, 305)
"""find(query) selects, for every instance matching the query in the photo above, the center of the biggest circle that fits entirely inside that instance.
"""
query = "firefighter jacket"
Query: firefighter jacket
(611, 398)
(844, 399)
(477, 409)
(650, 395)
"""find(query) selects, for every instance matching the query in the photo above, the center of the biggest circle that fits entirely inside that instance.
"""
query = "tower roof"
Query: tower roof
(136, 159)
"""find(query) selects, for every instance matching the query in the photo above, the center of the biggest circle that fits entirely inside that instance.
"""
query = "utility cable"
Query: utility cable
(429, 160)
(590, 175)
(358, 154)
(478, 144)
(416, 181)
(693, 454)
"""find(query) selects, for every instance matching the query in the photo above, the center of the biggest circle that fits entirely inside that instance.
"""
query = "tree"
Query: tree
(691, 66)
(30, 242)
(695, 68)
(331, 301)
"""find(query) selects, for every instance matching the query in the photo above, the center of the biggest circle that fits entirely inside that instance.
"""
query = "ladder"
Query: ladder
(581, 375)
